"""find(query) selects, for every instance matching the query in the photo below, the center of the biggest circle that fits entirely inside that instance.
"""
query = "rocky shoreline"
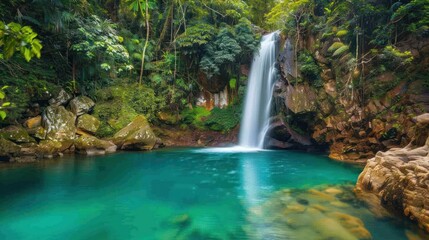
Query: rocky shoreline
(398, 179)
(66, 127)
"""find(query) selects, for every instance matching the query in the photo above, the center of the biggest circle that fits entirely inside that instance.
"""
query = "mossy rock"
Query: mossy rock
(61, 98)
(81, 105)
(136, 135)
(50, 148)
(91, 145)
(88, 123)
(58, 124)
(8, 149)
(168, 118)
(16, 134)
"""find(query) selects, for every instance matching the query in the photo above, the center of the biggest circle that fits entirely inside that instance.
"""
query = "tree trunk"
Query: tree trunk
(146, 43)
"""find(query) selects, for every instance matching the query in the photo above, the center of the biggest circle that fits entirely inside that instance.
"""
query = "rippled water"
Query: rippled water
(165, 194)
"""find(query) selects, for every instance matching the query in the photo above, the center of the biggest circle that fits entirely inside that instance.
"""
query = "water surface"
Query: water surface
(165, 194)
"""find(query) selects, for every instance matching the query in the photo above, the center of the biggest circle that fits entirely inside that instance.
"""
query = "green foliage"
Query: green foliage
(118, 105)
(17, 38)
(342, 33)
(285, 11)
(308, 66)
(4, 104)
(396, 56)
(223, 50)
(192, 41)
(195, 116)
(335, 46)
(415, 15)
(224, 119)
(340, 51)
(99, 50)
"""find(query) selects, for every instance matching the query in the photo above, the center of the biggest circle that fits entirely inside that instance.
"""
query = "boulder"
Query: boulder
(91, 145)
(88, 123)
(16, 134)
(136, 135)
(81, 105)
(399, 177)
(33, 122)
(300, 98)
(62, 98)
(8, 149)
(58, 125)
(50, 148)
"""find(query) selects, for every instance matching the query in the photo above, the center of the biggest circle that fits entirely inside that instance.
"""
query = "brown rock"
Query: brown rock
(399, 179)
(330, 88)
(300, 99)
(33, 122)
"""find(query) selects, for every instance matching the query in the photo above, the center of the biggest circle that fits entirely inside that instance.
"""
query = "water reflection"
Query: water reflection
(256, 184)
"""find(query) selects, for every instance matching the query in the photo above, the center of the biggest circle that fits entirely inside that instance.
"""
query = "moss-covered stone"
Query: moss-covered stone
(8, 149)
(61, 98)
(16, 134)
(81, 105)
(136, 135)
(59, 124)
(91, 145)
(88, 123)
(50, 148)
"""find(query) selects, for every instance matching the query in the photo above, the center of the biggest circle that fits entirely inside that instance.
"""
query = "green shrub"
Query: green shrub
(309, 68)
(224, 119)
(118, 105)
(195, 116)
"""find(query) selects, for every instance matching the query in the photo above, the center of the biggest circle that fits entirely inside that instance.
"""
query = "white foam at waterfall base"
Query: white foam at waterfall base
(234, 149)
(255, 120)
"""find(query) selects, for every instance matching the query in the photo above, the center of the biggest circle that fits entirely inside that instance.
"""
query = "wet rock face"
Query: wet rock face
(399, 177)
(300, 99)
(81, 105)
(137, 135)
(59, 125)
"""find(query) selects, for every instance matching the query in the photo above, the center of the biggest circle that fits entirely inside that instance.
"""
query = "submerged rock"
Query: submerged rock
(81, 105)
(399, 177)
(91, 145)
(136, 135)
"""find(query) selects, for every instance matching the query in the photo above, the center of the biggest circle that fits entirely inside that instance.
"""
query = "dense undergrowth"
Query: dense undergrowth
(155, 56)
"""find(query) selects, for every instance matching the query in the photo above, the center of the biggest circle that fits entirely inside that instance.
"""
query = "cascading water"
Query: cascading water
(255, 122)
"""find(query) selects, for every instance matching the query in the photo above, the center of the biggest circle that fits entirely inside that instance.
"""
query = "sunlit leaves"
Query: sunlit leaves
(97, 40)
(17, 38)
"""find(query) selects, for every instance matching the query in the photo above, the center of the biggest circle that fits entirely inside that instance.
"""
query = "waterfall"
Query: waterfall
(255, 121)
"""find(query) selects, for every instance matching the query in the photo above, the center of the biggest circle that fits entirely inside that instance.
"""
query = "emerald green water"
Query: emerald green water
(165, 194)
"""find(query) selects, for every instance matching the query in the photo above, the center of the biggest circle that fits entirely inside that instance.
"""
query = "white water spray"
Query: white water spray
(255, 122)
